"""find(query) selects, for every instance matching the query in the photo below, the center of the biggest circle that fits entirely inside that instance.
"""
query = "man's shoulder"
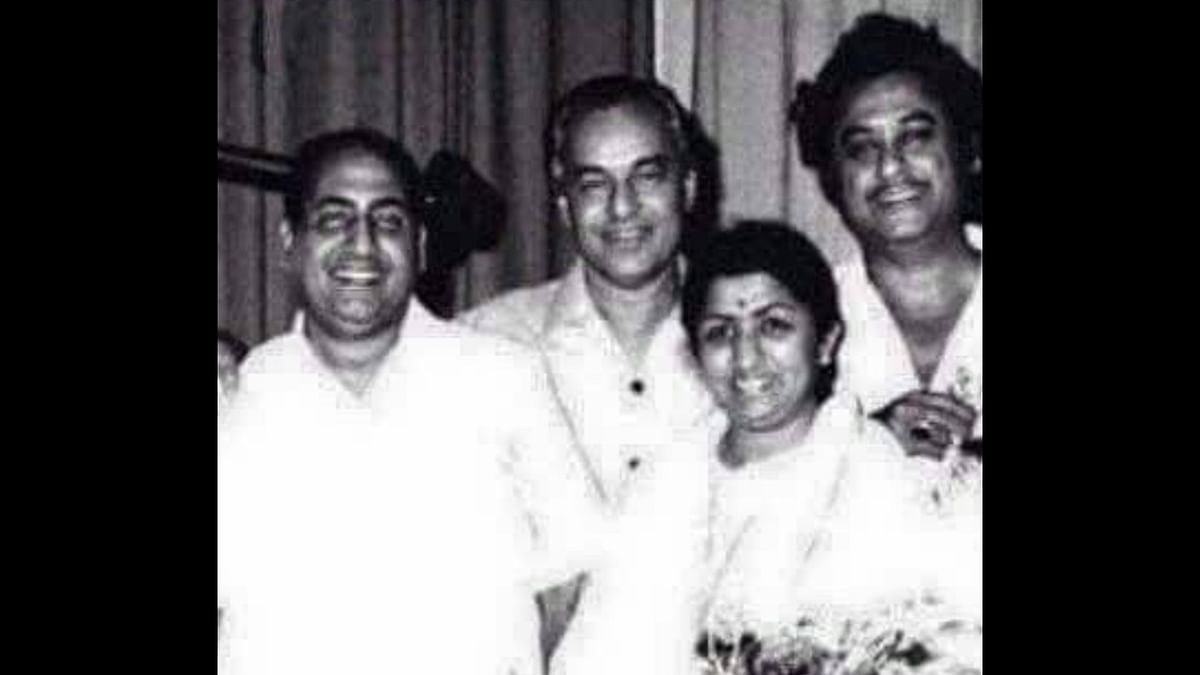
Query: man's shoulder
(493, 360)
(518, 314)
(277, 355)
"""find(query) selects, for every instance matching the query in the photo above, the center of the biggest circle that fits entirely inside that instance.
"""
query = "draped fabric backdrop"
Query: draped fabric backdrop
(477, 77)
(472, 76)
(738, 61)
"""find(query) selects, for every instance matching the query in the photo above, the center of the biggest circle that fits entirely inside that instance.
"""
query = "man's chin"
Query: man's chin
(356, 325)
(633, 276)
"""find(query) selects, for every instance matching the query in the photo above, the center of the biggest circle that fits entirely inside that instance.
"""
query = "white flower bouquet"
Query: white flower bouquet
(916, 637)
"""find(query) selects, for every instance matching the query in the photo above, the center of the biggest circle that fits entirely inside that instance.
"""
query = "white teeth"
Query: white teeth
(623, 236)
(752, 386)
(898, 196)
(356, 277)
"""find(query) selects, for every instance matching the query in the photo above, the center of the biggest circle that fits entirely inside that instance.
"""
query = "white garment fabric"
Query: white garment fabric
(838, 524)
(640, 612)
(842, 527)
(402, 531)
(627, 416)
(874, 362)
(773, 522)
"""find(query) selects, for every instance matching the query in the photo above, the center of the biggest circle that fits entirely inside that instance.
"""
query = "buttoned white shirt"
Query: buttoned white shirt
(625, 414)
(405, 530)
(874, 363)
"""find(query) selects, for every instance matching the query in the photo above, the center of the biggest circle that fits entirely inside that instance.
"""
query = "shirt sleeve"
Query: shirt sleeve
(555, 484)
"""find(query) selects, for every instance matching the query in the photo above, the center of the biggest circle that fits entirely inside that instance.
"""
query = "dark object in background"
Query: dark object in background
(464, 214)
(245, 166)
(236, 347)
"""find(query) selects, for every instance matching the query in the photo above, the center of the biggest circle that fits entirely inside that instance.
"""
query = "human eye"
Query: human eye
(651, 173)
(332, 219)
(917, 136)
(859, 148)
(591, 182)
(390, 218)
(715, 333)
(777, 326)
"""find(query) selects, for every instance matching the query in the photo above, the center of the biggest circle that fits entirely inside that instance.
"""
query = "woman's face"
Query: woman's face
(759, 351)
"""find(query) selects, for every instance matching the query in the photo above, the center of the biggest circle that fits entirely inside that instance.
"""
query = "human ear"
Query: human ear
(287, 234)
(690, 183)
(827, 350)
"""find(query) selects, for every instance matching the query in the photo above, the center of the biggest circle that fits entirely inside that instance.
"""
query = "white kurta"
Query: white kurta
(874, 362)
(404, 531)
(626, 415)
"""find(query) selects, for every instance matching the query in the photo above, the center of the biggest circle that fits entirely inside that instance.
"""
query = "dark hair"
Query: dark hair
(236, 346)
(314, 155)
(779, 251)
(610, 91)
(877, 45)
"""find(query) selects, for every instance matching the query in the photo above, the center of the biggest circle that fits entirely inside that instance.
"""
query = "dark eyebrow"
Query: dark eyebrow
(655, 161)
(576, 170)
(758, 313)
(785, 306)
(921, 116)
(333, 200)
(851, 132)
(389, 201)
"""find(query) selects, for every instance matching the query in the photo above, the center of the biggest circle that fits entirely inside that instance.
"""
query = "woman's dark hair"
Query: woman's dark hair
(313, 156)
(236, 346)
(774, 249)
(878, 45)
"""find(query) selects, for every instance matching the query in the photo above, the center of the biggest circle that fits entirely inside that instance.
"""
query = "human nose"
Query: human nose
(362, 238)
(746, 351)
(624, 200)
(891, 162)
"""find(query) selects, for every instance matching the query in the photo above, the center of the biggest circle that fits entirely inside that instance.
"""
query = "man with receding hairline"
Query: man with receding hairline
(392, 489)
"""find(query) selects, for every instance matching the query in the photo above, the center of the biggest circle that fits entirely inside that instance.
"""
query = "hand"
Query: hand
(927, 424)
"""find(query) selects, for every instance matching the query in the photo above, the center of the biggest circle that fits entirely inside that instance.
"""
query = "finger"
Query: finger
(903, 423)
(943, 401)
(942, 406)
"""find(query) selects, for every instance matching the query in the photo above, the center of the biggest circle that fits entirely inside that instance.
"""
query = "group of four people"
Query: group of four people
(603, 473)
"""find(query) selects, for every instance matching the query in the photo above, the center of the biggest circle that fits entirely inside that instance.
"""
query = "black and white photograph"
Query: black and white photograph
(598, 337)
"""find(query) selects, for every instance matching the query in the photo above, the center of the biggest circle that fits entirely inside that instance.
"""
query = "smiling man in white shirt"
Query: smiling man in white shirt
(892, 125)
(624, 181)
(392, 489)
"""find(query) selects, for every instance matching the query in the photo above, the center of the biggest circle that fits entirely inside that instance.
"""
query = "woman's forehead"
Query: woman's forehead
(748, 292)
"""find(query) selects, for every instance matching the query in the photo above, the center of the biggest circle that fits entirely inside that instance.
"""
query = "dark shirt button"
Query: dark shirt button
(634, 463)
(638, 387)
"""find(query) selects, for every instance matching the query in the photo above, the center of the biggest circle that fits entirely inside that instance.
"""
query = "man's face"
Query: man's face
(356, 253)
(625, 194)
(897, 163)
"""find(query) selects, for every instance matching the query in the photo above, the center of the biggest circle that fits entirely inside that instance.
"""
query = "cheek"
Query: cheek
(401, 252)
(795, 358)
(714, 362)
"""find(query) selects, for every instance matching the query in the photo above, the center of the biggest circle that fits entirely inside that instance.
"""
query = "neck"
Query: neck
(935, 261)
(353, 361)
(634, 315)
(748, 446)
